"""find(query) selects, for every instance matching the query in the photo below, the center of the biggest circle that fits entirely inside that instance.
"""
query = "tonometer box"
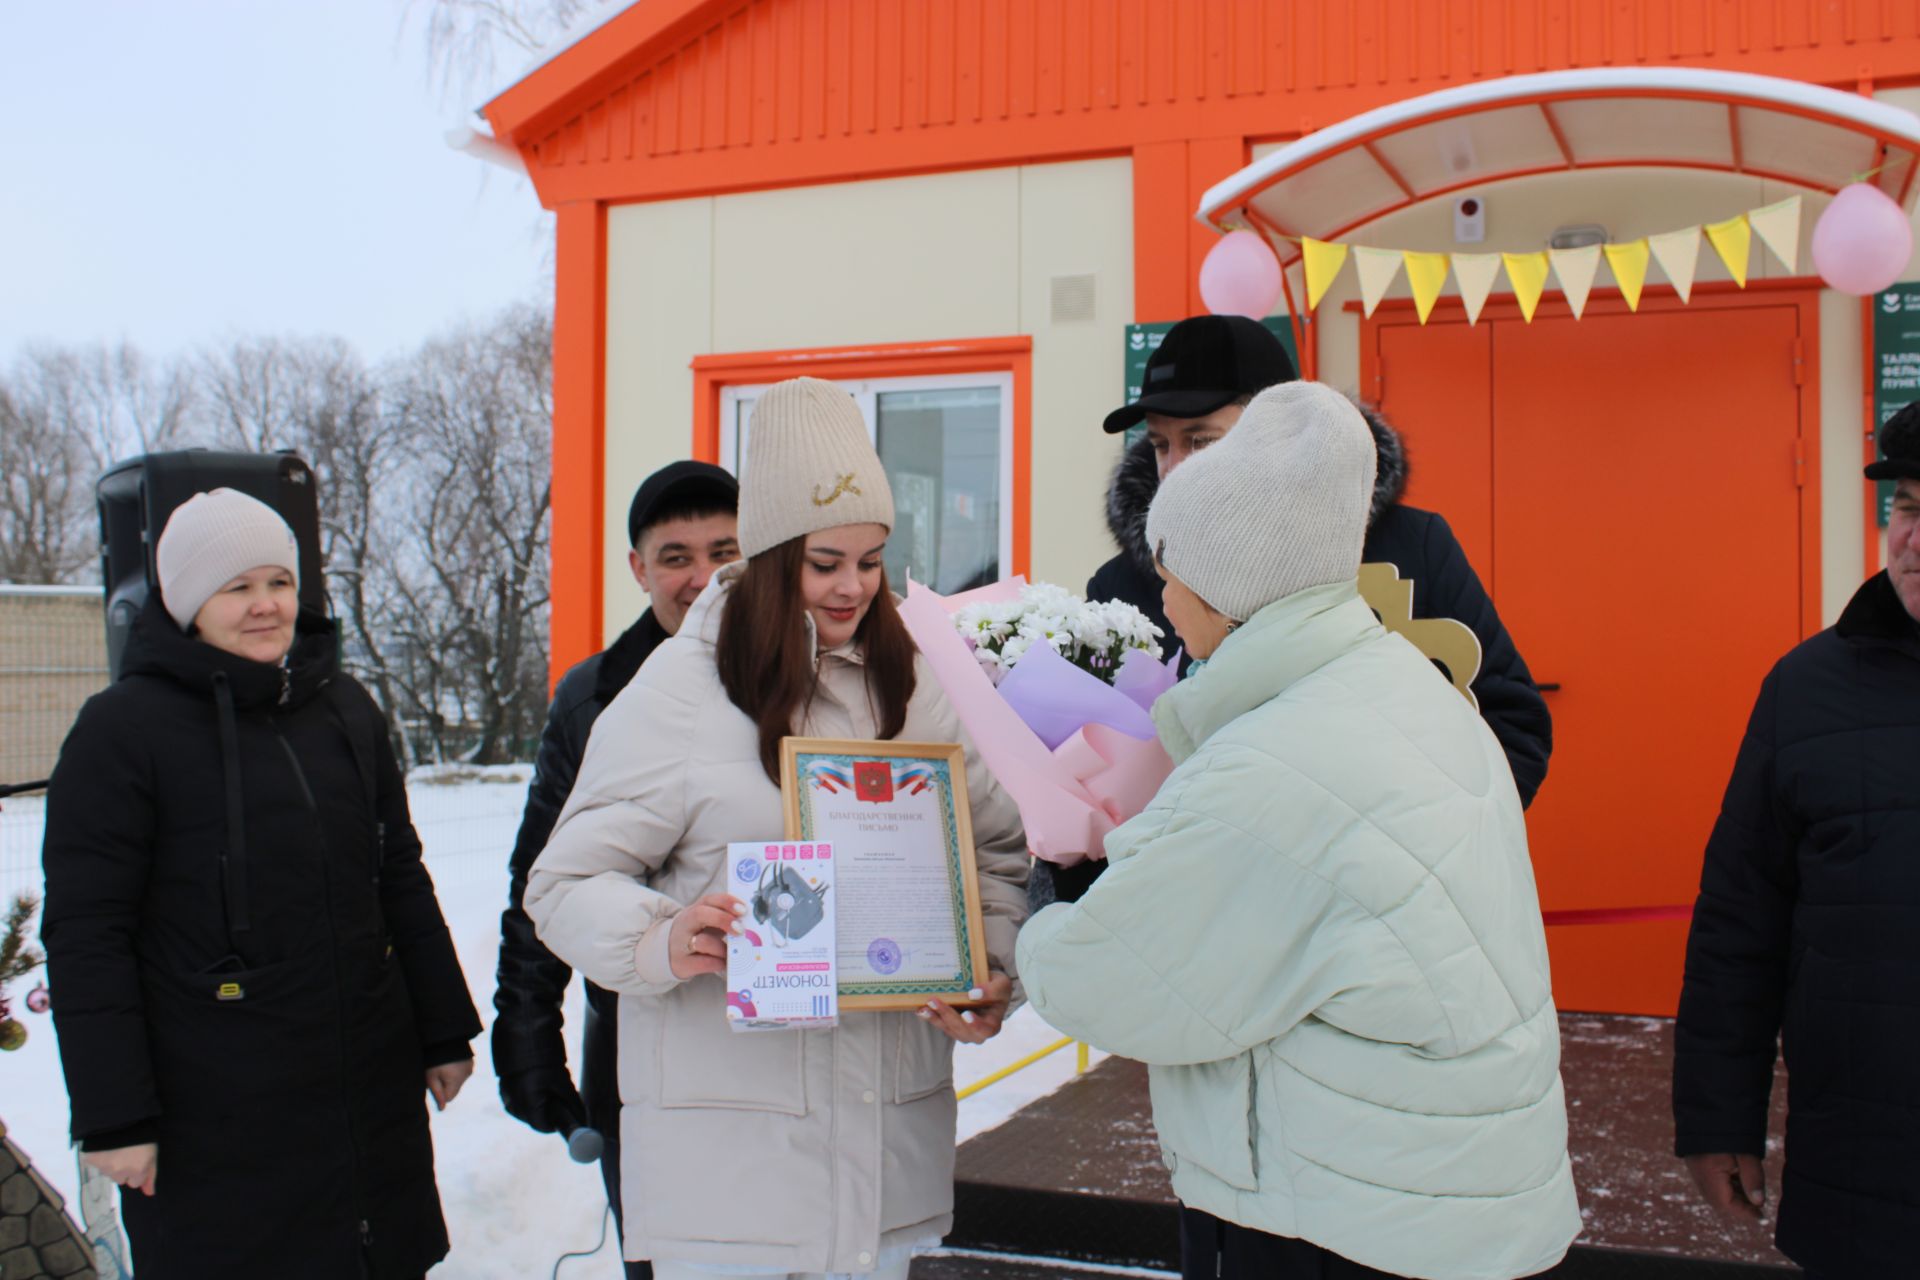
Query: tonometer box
(781, 966)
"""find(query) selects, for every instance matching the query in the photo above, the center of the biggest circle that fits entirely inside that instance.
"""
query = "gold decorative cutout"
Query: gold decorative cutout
(1451, 644)
(845, 485)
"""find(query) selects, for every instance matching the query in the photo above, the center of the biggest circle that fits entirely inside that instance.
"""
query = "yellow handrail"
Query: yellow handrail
(1080, 1065)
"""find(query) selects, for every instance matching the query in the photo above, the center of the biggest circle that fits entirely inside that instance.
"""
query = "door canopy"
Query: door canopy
(1338, 179)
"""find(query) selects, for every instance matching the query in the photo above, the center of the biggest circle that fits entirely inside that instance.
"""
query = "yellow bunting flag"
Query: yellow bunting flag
(1677, 252)
(1629, 263)
(1427, 273)
(1377, 268)
(1324, 260)
(1528, 272)
(1476, 273)
(1778, 226)
(1576, 269)
(1733, 241)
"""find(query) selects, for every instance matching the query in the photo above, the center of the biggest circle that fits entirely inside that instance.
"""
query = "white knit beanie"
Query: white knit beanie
(211, 539)
(1277, 506)
(810, 466)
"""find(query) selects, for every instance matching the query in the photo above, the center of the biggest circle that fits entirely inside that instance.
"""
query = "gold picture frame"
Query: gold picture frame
(869, 799)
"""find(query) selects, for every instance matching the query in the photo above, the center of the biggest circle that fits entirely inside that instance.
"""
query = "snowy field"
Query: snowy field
(514, 1201)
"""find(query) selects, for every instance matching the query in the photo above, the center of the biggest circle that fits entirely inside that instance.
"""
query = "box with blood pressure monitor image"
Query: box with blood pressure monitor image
(782, 970)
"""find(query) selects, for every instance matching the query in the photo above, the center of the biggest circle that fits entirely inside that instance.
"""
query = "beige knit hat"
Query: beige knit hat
(810, 466)
(211, 539)
(1277, 506)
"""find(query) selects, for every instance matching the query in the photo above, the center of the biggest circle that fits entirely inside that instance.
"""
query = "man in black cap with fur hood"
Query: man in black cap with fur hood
(681, 528)
(1804, 931)
(1205, 371)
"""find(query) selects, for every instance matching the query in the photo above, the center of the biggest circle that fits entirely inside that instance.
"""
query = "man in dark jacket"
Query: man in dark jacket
(1807, 918)
(1203, 374)
(681, 530)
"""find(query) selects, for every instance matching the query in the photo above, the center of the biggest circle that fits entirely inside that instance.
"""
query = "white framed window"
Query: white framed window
(946, 441)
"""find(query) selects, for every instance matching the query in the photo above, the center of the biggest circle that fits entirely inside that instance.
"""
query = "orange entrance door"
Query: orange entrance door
(1630, 488)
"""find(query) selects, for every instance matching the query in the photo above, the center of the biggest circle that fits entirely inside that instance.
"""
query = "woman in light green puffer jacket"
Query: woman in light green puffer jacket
(1323, 934)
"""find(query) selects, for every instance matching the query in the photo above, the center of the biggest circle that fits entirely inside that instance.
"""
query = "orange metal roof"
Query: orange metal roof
(688, 97)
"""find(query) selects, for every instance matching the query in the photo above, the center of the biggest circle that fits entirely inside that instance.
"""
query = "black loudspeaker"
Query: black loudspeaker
(137, 496)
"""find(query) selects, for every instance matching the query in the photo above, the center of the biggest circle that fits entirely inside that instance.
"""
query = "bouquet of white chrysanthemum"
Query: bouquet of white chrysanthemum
(1057, 696)
(1096, 637)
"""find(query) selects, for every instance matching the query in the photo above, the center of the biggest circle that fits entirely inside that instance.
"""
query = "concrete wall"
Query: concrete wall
(944, 256)
(53, 657)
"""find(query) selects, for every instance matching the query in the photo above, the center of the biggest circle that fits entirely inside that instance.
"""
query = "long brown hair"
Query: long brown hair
(763, 652)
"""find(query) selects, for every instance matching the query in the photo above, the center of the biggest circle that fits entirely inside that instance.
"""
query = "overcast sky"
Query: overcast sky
(190, 170)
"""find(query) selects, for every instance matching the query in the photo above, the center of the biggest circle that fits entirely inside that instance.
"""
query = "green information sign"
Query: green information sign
(1144, 339)
(1896, 367)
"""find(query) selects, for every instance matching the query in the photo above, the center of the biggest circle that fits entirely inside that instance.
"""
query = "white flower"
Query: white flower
(990, 663)
(1091, 628)
(1094, 635)
(1047, 598)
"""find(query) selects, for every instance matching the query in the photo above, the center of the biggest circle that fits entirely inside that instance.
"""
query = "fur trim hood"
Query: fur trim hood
(1137, 479)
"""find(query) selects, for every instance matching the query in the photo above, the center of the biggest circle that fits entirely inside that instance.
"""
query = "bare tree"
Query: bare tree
(476, 409)
(66, 413)
(469, 42)
(259, 391)
(127, 405)
(46, 471)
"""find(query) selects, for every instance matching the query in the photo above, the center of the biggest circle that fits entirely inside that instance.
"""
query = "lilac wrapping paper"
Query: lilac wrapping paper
(1057, 699)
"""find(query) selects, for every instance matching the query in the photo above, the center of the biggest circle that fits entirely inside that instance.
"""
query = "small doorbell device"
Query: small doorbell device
(1469, 220)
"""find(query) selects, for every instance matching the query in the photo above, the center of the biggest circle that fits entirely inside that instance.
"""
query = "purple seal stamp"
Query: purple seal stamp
(747, 870)
(884, 955)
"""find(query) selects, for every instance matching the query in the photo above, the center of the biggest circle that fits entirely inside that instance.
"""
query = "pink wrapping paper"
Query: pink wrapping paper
(1069, 798)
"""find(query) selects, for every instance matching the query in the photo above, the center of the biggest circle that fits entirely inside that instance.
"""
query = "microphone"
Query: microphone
(584, 1143)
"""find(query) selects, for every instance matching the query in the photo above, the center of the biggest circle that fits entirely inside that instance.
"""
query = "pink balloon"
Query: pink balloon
(1240, 277)
(1863, 241)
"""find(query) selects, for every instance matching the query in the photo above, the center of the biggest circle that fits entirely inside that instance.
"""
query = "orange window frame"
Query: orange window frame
(713, 374)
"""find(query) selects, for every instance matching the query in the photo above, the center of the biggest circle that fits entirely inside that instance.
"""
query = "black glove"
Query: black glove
(543, 1098)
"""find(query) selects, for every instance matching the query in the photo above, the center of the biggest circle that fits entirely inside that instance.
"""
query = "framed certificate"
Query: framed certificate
(897, 816)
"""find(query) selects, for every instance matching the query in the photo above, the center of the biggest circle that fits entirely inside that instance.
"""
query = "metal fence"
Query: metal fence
(53, 656)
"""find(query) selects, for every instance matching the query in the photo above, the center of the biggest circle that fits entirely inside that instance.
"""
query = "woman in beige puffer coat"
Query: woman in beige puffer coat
(787, 1152)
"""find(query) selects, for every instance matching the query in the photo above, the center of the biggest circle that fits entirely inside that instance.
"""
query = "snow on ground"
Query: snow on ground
(514, 1201)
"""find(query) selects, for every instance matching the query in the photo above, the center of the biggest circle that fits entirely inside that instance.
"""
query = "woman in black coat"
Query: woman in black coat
(254, 985)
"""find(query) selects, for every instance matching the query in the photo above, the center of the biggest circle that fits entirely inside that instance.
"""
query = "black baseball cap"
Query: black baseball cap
(681, 482)
(1899, 447)
(1206, 363)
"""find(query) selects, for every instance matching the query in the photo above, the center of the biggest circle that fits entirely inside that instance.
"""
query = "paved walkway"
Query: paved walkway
(1079, 1172)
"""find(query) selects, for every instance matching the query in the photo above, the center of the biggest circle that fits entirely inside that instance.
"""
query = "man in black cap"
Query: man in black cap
(1806, 924)
(680, 530)
(1205, 371)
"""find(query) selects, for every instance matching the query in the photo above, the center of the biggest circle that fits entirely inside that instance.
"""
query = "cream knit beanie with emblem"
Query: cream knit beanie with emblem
(211, 539)
(809, 467)
(1277, 506)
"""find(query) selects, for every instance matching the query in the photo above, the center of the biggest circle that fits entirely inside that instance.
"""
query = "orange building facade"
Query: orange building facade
(960, 205)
